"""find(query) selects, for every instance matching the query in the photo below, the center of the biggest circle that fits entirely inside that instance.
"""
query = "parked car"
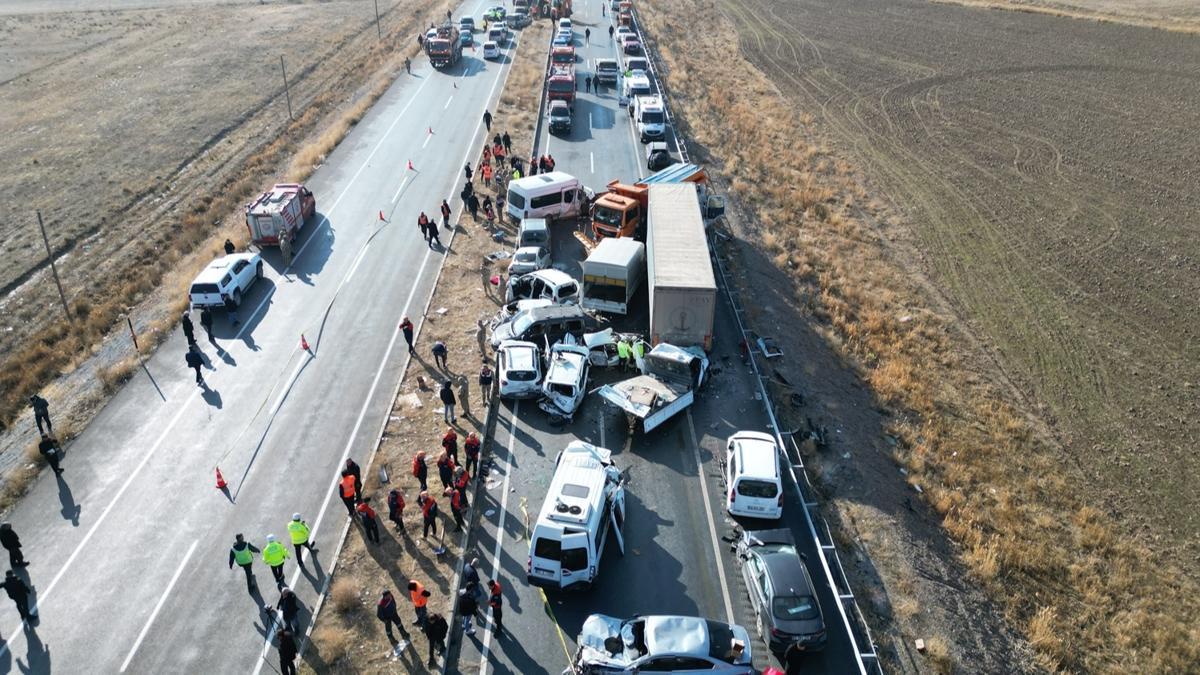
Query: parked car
(466, 38)
(491, 50)
(631, 45)
(228, 277)
(560, 117)
(466, 24)
(529, 259)
(519, 367)
(673, 644)
(637, 64)
(781, 591)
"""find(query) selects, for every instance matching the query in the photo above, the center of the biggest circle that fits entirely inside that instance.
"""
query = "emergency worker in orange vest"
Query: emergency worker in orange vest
(420, 598)
(346, 490)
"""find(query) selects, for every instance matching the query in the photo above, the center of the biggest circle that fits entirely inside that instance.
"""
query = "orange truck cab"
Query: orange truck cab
(625, 14)
(560, 86)
(620, 211)
(562, 56)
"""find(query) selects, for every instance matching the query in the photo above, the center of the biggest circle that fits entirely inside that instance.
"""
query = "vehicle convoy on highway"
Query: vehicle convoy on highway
(279, 212)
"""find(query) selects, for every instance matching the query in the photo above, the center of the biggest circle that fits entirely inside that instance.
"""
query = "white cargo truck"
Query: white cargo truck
(683, 288)
(612, 274)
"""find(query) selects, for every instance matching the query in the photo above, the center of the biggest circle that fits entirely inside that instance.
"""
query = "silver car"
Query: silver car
(529, 259)
(677, 644)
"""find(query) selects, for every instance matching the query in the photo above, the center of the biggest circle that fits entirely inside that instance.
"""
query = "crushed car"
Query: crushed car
(661, 644)
(668, 383)
(603, 351)
(565, 383)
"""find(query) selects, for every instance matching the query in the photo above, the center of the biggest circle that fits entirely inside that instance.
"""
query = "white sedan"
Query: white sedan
(529, 259)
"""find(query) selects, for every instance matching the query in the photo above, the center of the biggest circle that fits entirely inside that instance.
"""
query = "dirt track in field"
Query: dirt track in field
(1047, 169)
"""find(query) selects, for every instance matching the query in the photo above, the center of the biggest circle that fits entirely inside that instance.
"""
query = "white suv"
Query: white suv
(520, 369)
(650, 117)
(228, 277)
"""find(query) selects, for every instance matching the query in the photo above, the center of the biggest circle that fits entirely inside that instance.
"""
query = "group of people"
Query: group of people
(454, 477)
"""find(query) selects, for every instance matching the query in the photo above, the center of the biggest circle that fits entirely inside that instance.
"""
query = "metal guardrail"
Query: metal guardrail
(852, 617)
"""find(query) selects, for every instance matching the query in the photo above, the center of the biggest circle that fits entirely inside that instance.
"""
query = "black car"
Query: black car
(781, 591)
(560, 117)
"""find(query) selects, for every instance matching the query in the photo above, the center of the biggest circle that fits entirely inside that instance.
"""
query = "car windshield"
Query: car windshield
(562, 85)
(652, 118)
(522, 324)
(795, 607)
(606, 66)
(607, 216)
(526, 256)
(640, 90)
(560, 111)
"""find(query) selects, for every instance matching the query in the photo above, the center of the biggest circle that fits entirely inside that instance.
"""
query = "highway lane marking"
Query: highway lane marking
(448, 102)
(512, 437)
(712, 525)
(161, 601)
(592, 161)
(353, 267)
(399, 189)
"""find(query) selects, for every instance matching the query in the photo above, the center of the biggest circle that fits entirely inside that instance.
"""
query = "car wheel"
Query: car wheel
(759, 621)
(237, 298)
(258, 271)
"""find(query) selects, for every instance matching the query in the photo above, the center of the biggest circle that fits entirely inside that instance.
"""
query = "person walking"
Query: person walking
(450, 443)
(456, 507)
(473, 206)
(587, 84)
(287, 652)
(41, 413)
(420, 598)
(487, 175)
(301, 538)
(420, 470)
(611, 30)
(395, 502)
(406, 327)
(496, 602)
(189, 330)
(485, 382)
(429, 513)
(470, 578)
(274, 554)
(487, 120)
(506, 141)
(467, 607)
(445, 214)
(439, 354)
(587, 36)
(289, 608)
(12, 543)
(387, 612)
(369, 520)
(468, 172)
(445, 467)
(433, 235)
(52, 452)
(19, 592)
(471, 447)
(355, 471)
(436, 631)
(408, 65)
(448, 402)
(423, 223)
(229, 247)
(231, 309)
(242, 553)
(193, 360)
(345, 490)
(206, 320)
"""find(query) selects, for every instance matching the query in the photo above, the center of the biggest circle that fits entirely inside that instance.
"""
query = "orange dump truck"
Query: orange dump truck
(621, 210)
(278, 212)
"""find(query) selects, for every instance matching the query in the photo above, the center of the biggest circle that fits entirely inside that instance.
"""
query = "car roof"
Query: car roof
(489, 44)
(559, 104)
(676, 635)
(217, 269)
(787, 574)
(522, 355)
(757, 455)
(567, 364)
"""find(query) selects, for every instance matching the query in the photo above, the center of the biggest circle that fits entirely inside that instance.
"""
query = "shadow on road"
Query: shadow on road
(70, 510)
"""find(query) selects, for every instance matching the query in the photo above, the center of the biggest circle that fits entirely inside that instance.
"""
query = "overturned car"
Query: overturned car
(661, 644)
(671, 376)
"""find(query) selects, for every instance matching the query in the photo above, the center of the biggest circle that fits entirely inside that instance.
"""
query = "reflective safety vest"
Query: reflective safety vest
(639, 349)
(418, 599)
(487, 171)
(274, 554)
(299, 531)
(347, 486)
(623, 350)
(243, 556)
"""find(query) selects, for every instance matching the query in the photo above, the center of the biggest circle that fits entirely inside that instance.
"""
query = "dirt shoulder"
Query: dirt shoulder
(1181, 16)
(961, 518)
(347, 635)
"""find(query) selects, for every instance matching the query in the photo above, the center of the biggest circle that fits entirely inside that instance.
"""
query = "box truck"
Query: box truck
(612, 274)
(683, 288)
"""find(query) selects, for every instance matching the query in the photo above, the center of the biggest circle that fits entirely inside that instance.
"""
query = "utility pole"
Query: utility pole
(286, 91)
(53, 268)
(377, 28)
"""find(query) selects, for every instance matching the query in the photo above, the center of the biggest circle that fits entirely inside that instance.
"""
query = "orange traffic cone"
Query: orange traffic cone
(410, 166)
(221, 484)
(381, 215)
(430, 131)
(303, 343)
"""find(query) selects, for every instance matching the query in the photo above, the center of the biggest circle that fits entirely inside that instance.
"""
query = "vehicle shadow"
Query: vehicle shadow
(313, 250)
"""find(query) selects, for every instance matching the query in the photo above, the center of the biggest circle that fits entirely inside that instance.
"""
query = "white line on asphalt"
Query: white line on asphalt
(512, 435)
(284, 392)
(399, 190)
(592, 160)
(161, 601)
(362, 253)
(712, 525)
(448, 102)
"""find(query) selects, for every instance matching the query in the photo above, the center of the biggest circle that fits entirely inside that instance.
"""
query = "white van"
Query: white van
(584, 505)
(564, 24)
(554, 285)
(752, 475)
(546, 195)
(650, 118)
(634, 86)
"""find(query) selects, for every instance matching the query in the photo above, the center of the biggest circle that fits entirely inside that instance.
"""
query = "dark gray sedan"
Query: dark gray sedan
(781, 591)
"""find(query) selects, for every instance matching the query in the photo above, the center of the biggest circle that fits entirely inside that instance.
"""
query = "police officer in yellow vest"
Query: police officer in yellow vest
(274, 554)
(298, 529)
(242, 553)
(639, 352)
(623, 353)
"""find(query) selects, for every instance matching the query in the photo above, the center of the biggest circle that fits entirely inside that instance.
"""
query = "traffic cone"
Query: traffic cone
(381, 215)
(303, 343)
(221, 484)
(410, 166)
(430, 131)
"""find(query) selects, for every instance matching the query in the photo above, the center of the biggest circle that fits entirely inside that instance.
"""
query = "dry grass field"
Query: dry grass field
(1174, 15)
(990, 216)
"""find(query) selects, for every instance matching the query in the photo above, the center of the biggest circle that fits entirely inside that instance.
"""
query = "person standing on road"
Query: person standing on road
(41, 413)
(52, 452)
(433, 235)
(369, 520)
(242, 553)
(19, 592)
(408, 65)
(587, 36)
(346, 491)
(300, 535)
(206, 320)
(423, 223)
(610, 32)
(274, 554)
(12, 543)
(436, 631)
(445, 467)
(450, 443)
(189, 330)
(485, 382)
(289, 608)
(229, 247)
(506, 141)
(420, 470)
(420, 598)
(487, 120)
(448, 401)
(471, 448)
(355, 471)
(231, 309)
(395, 502)
(445, 214)
(406, 327)
(285, 248)
(429, 514)
(470, 578)
(467, 607)
(193, 360)
(287, 652)
(439, 354)
(468, 172)
(387, 612)
(496, 602)
(587, 84)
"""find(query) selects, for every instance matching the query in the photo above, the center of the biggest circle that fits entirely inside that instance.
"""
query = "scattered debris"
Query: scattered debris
(499, 255)
(442, 310)
(489, 513)
(383, 473)
(920, 645)
(769, 347)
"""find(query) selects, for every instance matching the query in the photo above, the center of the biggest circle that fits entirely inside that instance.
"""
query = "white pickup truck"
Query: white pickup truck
(671, 376)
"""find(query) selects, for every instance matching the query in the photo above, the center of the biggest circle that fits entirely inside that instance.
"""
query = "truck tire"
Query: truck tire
(258, 271)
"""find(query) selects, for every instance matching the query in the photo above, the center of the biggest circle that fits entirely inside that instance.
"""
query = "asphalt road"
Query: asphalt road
(677, 558)
(129, 549)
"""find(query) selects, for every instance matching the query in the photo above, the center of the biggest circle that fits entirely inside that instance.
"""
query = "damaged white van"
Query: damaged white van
(583, 508)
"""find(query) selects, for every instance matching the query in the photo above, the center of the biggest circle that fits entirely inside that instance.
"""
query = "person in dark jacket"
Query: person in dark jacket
(19, 592)
(229, 247)
(189, 330)
(396, 505)
(196, 363)
(456, 507)
(507, 142)
(440, 352)
(369, 520)
(487, 119)
(436, 630)
(289, 607)
(467, 606)
(387, 612)
(420, 470)
(52, 452)
(450, 443)
(470, 577)
(352, 467)
(12, 543)
(429, 513)
(467, 171)
(445, 467)
(473, 206)
(243, 553)
(448, 402)
(287, 652)
(406, 327)
(206, 320)
(433, 234)
(41, 413)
